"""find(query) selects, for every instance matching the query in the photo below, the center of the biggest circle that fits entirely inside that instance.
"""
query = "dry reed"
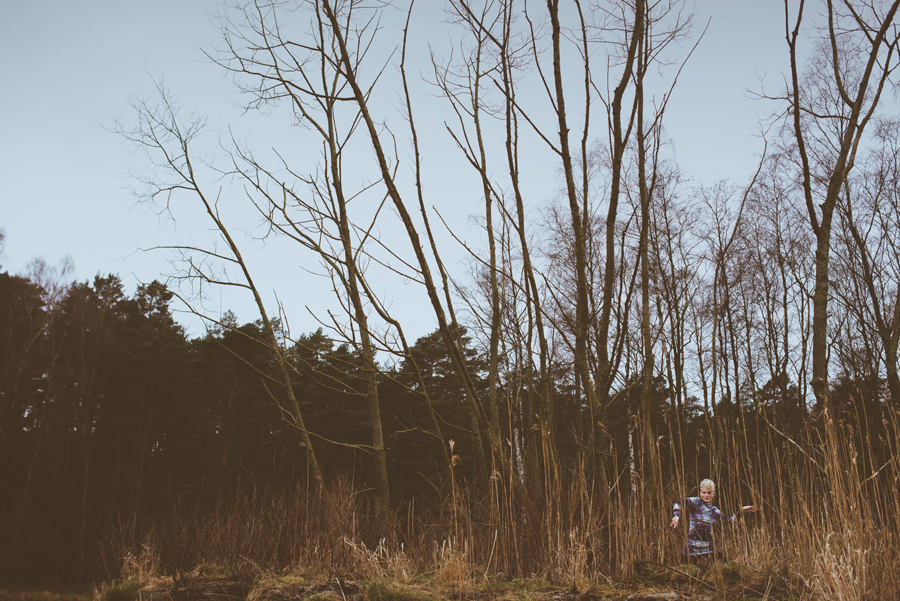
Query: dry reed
(828, 525)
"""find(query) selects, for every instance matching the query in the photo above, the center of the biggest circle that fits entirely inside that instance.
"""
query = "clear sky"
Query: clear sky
(69, 67)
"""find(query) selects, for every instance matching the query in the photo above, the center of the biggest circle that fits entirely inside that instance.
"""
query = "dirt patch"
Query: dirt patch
(201, 590)
(713, 582)
(650, 583)
(274, 588)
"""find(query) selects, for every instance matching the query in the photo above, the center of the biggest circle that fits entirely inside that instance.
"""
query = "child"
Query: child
(703, 515)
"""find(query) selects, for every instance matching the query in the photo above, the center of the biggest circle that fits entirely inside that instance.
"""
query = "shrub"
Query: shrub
(129, 590)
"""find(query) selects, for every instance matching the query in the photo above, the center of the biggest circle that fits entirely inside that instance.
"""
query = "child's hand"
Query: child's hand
(749, 508)
(674, 523)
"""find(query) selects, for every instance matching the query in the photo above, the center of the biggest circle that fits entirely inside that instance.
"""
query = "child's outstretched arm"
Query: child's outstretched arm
(745, 508)
(677, 511)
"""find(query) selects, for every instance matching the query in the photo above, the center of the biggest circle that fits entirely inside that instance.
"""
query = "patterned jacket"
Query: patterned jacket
(703, 516)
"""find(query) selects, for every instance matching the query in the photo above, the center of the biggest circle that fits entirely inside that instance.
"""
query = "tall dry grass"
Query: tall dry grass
(828, 522)
(828, 525)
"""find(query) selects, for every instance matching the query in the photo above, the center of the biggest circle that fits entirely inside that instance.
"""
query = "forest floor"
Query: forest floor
(651, 582)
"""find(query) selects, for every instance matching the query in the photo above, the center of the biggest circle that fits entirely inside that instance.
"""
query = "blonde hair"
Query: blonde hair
(708, 484)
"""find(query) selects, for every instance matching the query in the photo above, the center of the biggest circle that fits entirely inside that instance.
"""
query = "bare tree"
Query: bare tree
(830, 106)
(168, 141)
(869, 209)
(777, 251)
(313, 210)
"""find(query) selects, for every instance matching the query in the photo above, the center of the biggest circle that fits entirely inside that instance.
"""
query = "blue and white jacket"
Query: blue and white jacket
(703, 516)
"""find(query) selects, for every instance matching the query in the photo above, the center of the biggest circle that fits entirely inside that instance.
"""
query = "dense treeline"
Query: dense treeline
(111, 413)
(601, 355)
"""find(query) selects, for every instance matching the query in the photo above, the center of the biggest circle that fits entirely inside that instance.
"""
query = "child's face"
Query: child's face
(707, 494)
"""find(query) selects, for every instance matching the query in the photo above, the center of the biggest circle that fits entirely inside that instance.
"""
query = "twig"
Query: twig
(488, 566)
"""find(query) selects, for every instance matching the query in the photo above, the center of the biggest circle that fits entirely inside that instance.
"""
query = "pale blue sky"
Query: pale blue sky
(69, 66)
